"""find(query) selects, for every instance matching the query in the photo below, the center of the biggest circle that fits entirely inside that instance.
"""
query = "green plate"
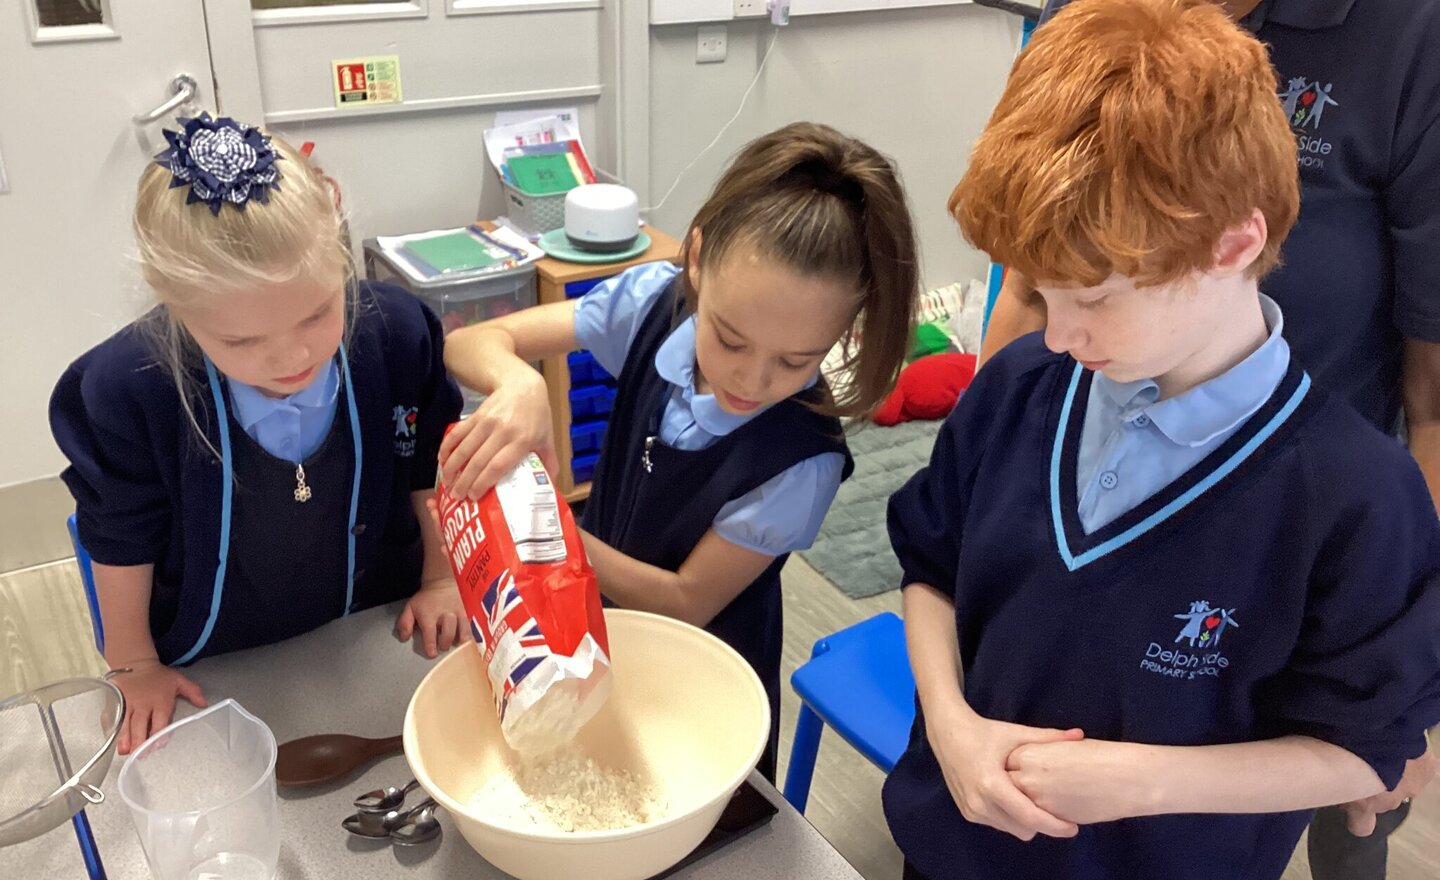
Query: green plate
(555, 244)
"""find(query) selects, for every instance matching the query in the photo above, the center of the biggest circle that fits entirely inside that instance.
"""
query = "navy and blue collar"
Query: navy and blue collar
(1214, 407)
(1076, 548)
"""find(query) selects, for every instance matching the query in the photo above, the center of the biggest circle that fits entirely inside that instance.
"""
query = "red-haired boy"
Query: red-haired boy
(1163, 598)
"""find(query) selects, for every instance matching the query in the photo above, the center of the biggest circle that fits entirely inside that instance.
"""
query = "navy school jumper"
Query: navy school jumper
(148, 491)
(1287, 584)
(654, 502)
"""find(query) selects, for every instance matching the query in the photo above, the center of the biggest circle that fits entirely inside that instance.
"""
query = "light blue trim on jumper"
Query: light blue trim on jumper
(227, 490)
(354, 483)
(1057, 519)
(227, 477)
(1074, 562)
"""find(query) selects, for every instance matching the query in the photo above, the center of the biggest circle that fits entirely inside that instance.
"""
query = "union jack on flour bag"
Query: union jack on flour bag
(534, 606)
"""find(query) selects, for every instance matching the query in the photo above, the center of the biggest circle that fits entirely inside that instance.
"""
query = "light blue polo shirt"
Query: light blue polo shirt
(1133, 444)
(782, 515)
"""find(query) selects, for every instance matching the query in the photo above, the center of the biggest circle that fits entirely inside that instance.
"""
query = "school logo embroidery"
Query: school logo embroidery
(1204, 625)
(405, 419)
(1305, 102)
(1198, 653)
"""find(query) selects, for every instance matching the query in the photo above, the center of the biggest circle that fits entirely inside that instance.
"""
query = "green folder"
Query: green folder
(543, 174)
(455, 252)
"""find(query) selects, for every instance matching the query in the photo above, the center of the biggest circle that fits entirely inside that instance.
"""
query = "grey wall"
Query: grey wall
(917, 84)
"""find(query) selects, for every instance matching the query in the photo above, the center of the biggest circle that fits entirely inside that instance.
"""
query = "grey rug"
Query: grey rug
(852, 550)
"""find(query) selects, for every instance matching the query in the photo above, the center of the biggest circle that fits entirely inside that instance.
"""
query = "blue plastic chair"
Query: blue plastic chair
(87, 577)
(858, 681)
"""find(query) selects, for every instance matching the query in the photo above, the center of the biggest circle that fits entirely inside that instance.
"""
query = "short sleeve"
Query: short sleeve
(1412, 200)
(122, 509)
(783, 514)
(1365, 674)
(609, 316)
(926, 516)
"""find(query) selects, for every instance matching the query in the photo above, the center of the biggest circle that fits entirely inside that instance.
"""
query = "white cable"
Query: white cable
(738, 110)
(619, 109)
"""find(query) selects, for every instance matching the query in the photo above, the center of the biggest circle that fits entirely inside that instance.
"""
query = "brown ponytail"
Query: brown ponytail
(824, 204)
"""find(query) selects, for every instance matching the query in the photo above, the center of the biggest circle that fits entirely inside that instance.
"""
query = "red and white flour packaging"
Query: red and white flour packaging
(534, 606)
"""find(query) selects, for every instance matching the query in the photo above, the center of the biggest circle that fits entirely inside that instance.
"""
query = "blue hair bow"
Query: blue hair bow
(221, 161)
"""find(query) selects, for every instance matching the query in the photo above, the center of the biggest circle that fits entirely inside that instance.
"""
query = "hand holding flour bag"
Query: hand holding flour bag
(533, 603)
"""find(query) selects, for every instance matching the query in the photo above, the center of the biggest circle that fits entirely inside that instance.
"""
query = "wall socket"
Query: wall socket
(710, 43)
(751, 9)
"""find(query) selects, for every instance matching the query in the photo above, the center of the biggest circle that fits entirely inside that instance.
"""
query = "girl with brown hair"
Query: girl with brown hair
(724, 449)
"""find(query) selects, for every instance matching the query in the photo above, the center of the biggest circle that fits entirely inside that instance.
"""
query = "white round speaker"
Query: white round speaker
(602, 217)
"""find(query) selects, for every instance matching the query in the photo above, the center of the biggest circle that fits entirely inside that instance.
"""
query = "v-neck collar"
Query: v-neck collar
(1078, 549)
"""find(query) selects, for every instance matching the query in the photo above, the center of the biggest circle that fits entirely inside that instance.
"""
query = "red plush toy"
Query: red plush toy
(927, 389)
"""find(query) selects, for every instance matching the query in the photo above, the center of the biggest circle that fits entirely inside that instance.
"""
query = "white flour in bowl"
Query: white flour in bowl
(565, 790)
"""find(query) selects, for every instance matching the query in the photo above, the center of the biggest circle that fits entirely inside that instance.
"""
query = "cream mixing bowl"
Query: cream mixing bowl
(687, 715)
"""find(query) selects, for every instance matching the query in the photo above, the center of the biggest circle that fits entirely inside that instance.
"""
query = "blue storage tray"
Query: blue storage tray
(585, 370)
(587, 437)
(579, 288)
(592, 402)
(582, 467)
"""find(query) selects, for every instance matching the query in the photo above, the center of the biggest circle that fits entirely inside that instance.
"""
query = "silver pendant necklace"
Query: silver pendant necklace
(302, 490)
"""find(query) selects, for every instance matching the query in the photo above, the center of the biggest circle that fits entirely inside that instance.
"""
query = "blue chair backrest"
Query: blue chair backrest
(87, 576)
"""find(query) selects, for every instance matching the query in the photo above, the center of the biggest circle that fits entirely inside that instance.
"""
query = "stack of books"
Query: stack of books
(545, 169)
(471, 252)
(539, 151)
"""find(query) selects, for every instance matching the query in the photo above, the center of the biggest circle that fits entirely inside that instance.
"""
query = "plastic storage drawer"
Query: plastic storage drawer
(593, 402)
(576, 289)
(585, 370)
(587, 438)
(582, 467)
(462, 301)
(458, 302)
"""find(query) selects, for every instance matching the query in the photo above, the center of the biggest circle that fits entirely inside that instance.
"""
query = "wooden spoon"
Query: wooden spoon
(325, 757)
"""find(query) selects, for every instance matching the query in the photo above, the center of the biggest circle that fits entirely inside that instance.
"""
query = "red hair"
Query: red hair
(1131, 135)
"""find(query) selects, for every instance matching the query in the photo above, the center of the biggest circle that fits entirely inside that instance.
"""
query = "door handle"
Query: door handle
(185, 89)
